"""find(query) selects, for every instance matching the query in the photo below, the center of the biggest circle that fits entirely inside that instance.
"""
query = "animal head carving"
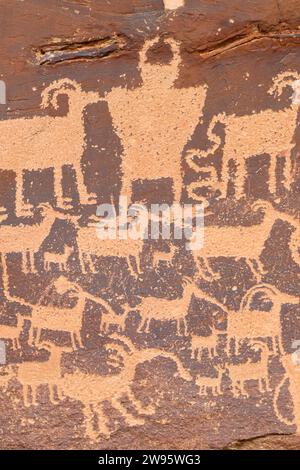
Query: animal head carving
(284, 79)
(70, 88)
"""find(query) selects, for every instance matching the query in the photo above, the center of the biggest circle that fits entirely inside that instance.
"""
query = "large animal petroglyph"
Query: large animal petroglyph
(269, 132)
(45, 142)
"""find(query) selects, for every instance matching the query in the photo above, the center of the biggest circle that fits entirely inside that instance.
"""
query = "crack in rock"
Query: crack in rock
(55, 53)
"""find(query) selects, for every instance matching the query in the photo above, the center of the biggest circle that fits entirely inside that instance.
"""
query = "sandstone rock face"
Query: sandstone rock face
(157, 343)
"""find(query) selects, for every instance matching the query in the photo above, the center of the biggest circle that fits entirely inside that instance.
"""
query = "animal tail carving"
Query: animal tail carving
(149, 354)
(213, 137)
(275, 402)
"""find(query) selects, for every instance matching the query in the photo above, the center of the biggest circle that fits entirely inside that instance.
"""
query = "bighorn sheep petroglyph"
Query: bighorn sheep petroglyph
(93, 390)
(241, 242)
(48, 142)
(241, 373)
(56, 318)
(156, 130)
(64, 319)
(154, 308)
(26, 239)
(252, 324)
(268, 132)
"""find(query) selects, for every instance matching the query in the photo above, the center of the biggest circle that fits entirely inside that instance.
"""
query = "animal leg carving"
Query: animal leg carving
(32, 262)
(22, 209)
(77, 337)
(85, 197)
(58, 189)
(131, 420)
(146, 410)
(240, 178)
(53, 400)
(272, 174)
(38, 335)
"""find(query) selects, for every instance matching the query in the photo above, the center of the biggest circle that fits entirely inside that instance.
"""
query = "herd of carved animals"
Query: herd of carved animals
(261, 331)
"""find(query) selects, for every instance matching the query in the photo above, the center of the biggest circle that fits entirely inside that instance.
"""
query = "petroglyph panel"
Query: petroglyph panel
(138, 341)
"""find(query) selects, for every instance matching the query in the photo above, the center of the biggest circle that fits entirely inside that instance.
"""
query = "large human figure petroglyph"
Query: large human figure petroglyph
(155, 121)
(269, 132)
(45, 142)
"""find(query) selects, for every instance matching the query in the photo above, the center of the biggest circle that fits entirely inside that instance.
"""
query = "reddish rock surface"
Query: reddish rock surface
(145, 344)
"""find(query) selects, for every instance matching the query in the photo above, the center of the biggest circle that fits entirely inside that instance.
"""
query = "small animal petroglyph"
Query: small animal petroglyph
(241, 373)
(60, 259)
(211, 383)
(164, 257)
